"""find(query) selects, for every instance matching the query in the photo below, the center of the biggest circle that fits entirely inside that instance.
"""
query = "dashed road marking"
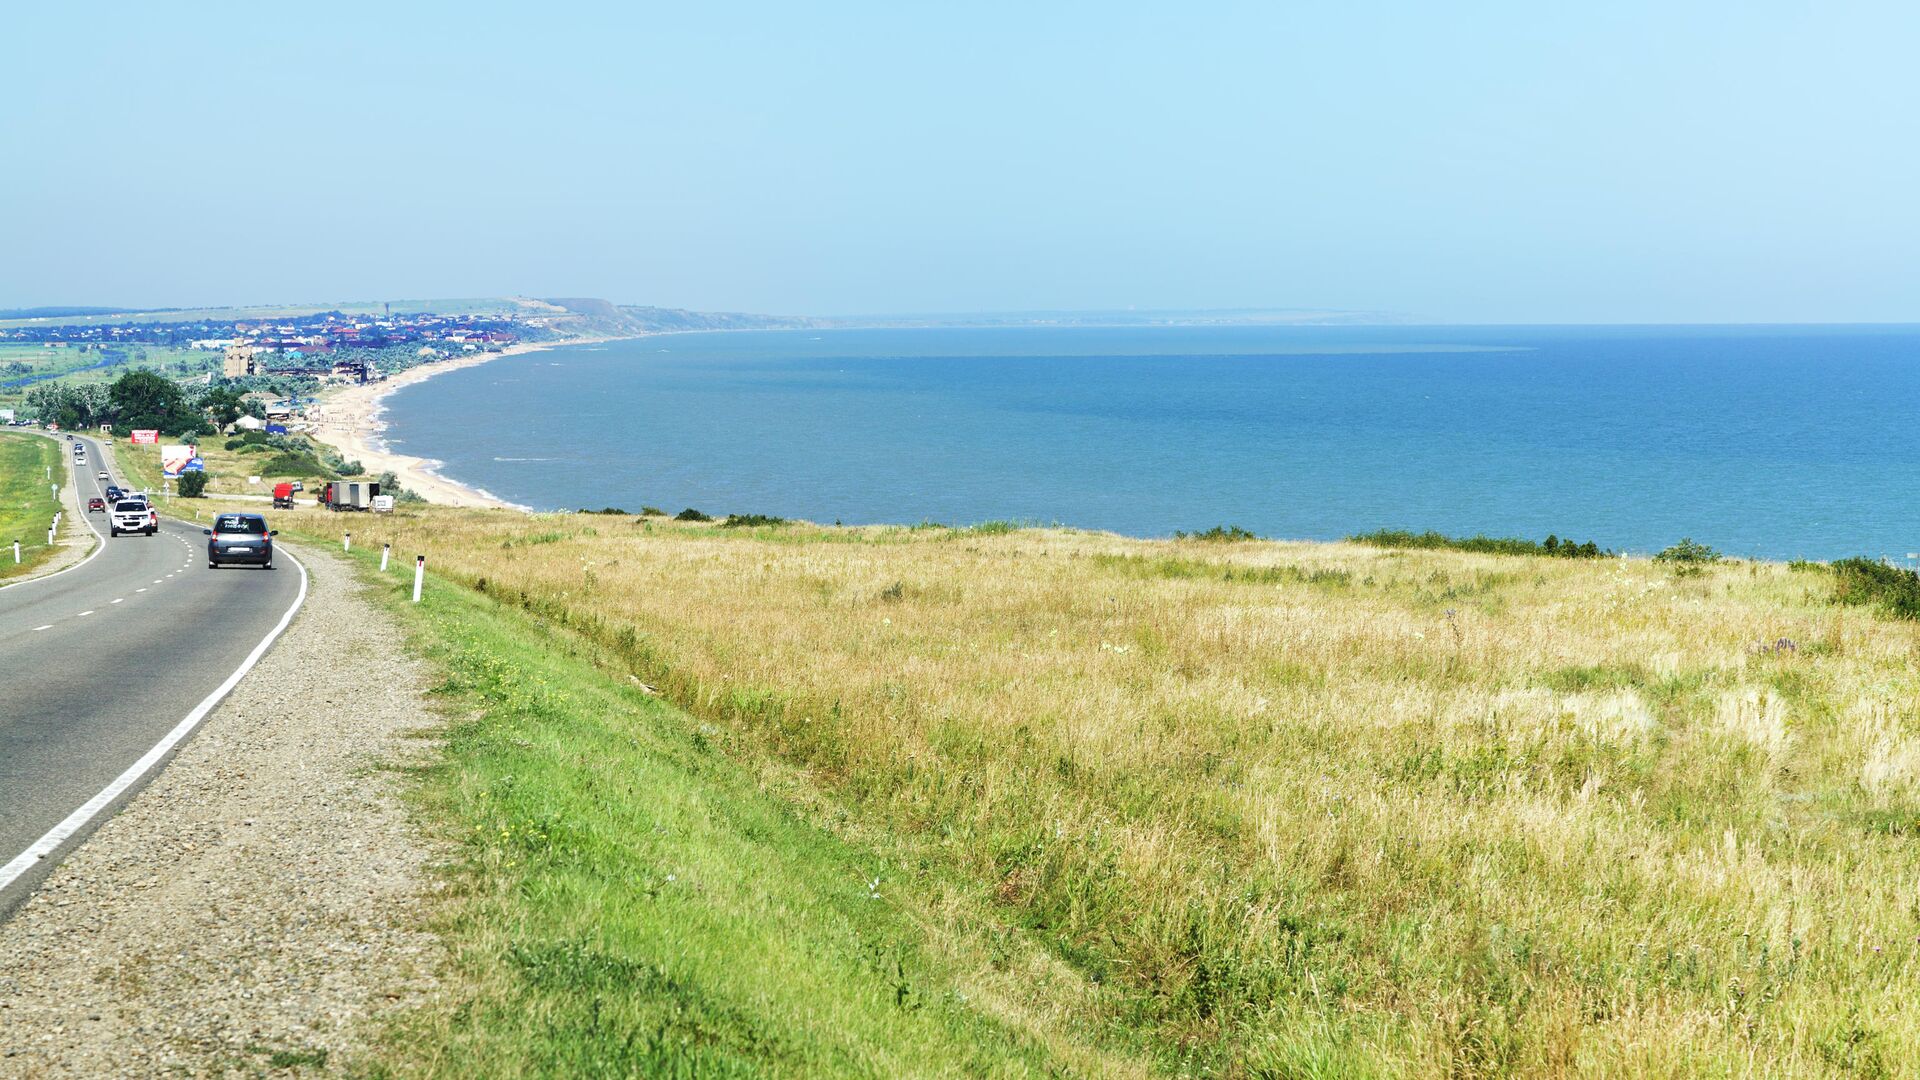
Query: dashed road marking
(121, 600)
(142, 589)
(83, 614)
(49, 626)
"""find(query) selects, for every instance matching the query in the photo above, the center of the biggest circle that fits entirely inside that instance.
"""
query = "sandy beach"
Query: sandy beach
(350, 421)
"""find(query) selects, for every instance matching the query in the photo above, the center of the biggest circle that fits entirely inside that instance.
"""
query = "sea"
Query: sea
(1776, 442)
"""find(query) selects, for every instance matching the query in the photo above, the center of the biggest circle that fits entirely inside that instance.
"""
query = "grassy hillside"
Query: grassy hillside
(1269, 809)
(26, 499)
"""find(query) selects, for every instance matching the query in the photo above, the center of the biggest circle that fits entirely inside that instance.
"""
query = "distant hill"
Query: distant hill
(585, 315)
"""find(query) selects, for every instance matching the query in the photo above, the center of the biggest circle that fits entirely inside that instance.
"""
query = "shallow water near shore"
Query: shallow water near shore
(1778, 442)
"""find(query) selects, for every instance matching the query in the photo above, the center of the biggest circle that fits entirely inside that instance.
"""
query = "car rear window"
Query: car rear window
(239, 523)
(131, 506)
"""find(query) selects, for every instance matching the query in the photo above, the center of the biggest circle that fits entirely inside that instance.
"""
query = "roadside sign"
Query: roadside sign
(383, 504)
(175, 460)
(145, 437)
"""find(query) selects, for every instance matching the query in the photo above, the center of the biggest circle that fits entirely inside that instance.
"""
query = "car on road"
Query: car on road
(114, 492)
(240, 538)
(103, 477)
(132, 515)
(96, 504)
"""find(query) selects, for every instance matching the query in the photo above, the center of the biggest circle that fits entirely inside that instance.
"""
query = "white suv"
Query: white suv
(132, 515)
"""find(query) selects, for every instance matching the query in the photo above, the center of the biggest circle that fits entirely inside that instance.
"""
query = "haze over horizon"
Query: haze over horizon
(1724, 163)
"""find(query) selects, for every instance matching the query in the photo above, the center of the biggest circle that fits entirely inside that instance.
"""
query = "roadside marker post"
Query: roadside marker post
(347, 543)
(16, 552)
(385, 550)
(419, 575)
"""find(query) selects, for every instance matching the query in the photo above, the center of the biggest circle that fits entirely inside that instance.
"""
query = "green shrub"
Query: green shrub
(193, 485)
(1688, 552)
(1489, 545)
(604, 510)
(291, 464)
(749, 521)
(1218, 534)
(690, 514)
(1864, 581)
(652, 511)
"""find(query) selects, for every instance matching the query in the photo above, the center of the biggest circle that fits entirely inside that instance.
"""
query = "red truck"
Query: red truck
(283, 494)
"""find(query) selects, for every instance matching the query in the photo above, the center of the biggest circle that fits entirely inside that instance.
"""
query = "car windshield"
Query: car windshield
(131, 506)
(239, 523)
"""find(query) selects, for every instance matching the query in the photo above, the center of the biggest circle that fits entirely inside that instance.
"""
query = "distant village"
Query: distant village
(326, 346)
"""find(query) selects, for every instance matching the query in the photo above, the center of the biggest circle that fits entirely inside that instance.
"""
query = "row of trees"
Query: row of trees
(138, 399)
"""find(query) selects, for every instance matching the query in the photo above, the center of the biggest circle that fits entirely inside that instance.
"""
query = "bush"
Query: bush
(1218, 534)
(749, 521)
(291, 464)
(652, 511)
(604, 510)
(1865, 581)
(193, 485)
(1489, 545)
(690, 514)
(1688, 552)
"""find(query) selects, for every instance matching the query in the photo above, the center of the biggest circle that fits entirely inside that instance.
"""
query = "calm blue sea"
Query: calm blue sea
(1779, 442)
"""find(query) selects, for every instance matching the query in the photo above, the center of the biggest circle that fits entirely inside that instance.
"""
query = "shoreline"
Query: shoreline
(351, 421)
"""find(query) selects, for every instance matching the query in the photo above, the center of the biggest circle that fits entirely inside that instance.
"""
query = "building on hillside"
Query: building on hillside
(238, 363)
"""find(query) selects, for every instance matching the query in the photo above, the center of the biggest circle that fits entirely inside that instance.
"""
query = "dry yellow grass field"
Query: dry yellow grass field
(1315, 809)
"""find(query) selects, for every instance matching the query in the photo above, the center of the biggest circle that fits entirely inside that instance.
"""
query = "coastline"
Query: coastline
(351, 422)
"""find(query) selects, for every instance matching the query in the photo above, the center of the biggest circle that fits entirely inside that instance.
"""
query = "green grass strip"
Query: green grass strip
(629, 901)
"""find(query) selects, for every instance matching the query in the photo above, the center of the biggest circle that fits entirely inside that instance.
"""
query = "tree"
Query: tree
(69, 406)
(142, 399)
(224, 404)
(193, 485)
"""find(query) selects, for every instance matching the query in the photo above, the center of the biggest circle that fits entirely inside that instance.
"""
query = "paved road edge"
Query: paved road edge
(41, 851)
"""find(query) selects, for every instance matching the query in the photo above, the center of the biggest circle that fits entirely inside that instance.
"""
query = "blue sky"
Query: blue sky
(1513, 162)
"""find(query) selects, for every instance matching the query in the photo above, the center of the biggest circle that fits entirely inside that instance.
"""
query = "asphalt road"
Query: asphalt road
(101, 663)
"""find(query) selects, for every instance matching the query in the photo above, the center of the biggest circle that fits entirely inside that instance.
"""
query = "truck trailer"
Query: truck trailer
(349, 494)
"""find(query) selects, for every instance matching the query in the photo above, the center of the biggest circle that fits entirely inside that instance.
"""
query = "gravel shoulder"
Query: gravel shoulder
(260, 904)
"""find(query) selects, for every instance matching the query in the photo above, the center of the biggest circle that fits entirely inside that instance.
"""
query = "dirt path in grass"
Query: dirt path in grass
(258, 904)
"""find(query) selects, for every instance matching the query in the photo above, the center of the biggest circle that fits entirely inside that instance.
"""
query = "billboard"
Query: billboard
(146, 437)
(175, 460)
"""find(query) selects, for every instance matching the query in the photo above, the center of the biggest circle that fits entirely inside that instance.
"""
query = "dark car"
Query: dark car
(96, 504)
(114, 493)
(240, 538)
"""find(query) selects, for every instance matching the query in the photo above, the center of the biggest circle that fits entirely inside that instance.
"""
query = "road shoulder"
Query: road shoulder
(75, 541)
(261, 901)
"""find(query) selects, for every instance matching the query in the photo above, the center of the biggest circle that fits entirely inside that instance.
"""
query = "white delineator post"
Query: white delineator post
(346, 543)
(385, 551)
(419, 575)
(16, 551)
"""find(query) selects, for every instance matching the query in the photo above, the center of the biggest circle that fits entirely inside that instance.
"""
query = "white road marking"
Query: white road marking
(49, 626)
(122, 600)
(140, 590)
(61, 833)
(83, 615)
